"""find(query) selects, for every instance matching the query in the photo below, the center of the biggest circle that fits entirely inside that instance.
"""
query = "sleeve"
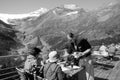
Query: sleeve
(60, 74)
(84, 44)
(87, 44)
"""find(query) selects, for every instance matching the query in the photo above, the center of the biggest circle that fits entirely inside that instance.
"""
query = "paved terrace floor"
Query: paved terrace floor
(109, 70)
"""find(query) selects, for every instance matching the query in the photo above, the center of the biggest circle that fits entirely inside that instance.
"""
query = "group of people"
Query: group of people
(108, 51)
(77, 49)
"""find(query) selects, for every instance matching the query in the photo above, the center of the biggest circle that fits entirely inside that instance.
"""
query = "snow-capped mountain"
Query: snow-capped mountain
(99, 25)
(6, 17)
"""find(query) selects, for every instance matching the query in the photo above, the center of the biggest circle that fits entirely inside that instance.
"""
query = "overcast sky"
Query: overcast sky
(25, 6)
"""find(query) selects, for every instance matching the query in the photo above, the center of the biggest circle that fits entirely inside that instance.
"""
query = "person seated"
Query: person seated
(103, 50)
(112, 50)
(52, 71)
(31, 62)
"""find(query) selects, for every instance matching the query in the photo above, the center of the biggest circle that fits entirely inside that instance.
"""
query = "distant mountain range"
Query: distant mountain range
(51, 26)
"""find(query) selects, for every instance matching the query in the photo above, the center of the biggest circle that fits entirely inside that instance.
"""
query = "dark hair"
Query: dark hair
(34, 51)
(70, 58)
(71, 35)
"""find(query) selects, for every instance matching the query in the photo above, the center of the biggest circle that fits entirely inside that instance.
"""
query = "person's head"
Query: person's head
(70, 58)
(103, 44)
(70, 36)
(112, 44)
(53, 56)
(34, 51)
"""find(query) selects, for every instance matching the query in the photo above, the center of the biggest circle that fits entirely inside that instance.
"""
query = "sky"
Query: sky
(26, 6)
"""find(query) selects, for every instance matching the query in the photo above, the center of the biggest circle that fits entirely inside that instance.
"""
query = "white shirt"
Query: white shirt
(103, 48)
(29, 63)
(103, 51)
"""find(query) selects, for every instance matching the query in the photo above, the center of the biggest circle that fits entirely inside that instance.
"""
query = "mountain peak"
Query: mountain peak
(39, 11)
(71, 6)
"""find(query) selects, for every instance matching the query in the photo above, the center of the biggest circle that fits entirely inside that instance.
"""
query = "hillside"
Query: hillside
(56, 23)
(8, 38)
(101, 25)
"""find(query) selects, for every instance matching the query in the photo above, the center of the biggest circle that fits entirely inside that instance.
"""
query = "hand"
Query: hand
(75, 54)
(80, 53)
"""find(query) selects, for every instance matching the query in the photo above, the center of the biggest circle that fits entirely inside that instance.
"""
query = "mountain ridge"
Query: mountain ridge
(5, 17)
(97, 26)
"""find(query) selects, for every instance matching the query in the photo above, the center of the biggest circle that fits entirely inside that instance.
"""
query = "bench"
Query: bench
(9, 74)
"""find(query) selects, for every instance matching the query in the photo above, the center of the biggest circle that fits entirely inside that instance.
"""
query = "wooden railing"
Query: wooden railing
(11, 56)
(9, 73)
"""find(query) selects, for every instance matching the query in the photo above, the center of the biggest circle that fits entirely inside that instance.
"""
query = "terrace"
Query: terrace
(104, 69)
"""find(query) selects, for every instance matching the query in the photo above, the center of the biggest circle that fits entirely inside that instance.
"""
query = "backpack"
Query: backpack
(53, 76)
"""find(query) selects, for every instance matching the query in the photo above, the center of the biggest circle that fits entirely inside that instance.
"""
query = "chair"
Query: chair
(36, 77)
(22, 74)
(39, 78)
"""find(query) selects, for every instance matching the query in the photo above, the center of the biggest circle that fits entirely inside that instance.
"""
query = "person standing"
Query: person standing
(83, 49)
(87, 58)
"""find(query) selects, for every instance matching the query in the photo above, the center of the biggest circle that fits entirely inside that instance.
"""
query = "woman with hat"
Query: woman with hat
(52, 71)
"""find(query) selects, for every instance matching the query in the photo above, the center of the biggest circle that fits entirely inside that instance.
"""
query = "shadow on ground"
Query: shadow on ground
(96, 78)
(116, 59)
(105, 66)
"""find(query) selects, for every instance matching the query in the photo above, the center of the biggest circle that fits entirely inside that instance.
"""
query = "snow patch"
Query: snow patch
(54, 12)
(71, 6)
(6, 17)
(103, 18)
(71, 13)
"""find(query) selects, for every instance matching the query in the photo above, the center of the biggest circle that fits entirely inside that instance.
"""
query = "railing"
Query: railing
(9, 72)
(11, 56)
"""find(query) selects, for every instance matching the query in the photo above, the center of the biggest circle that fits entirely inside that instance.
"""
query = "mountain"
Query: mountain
(8, 38)
(56, 23)
(100, 25)
(7, 18)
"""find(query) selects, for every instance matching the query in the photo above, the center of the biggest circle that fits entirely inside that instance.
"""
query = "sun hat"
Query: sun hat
(53, 56)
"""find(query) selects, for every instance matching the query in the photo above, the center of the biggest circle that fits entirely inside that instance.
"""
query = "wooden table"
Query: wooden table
(73, 74)
(72, 71)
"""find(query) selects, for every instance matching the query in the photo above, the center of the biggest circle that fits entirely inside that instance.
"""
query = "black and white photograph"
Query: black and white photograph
(59, 39)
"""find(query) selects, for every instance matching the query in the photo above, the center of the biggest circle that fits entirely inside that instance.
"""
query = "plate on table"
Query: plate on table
(65, 69)
(62, 62)
(69, 68)
(76, 67)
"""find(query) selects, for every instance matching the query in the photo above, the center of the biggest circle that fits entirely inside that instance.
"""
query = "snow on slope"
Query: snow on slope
(71, 6)
(6, 17)
(71, 13)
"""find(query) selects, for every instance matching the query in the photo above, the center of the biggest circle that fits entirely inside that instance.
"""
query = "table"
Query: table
(73, 73)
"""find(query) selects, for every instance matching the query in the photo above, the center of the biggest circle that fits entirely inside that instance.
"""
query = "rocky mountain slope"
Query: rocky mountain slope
(100, 25)
(8, 38)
